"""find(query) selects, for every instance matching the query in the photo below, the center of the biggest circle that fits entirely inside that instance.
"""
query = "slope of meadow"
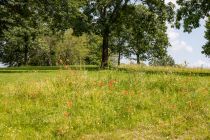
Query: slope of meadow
(108, 104)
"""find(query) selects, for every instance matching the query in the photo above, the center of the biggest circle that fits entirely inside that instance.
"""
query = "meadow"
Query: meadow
(120, 103)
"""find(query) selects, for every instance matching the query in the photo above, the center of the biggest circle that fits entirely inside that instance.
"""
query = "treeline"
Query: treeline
(58, 32)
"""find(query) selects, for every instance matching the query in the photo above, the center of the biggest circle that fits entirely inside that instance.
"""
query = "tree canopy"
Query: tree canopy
(44, 32)
(206, 47)
(191, 12)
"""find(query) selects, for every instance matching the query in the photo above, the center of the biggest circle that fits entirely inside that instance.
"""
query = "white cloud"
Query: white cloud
(173, 1)
(172, 34)
(177, 43)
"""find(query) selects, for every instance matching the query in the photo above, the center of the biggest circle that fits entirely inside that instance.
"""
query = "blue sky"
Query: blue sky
(187, 47)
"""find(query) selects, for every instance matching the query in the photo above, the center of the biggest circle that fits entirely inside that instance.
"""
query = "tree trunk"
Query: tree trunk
(138, 58)
(26, 39)
(119, 57)
(105, 49)
(50, 56)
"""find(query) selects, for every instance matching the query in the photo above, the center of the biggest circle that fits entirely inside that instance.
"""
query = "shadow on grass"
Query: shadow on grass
(182, 73)
(47, 69)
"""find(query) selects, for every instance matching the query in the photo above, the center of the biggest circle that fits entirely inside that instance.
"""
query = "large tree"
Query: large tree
(24, 20)
(19, 32)
(206, 47)
(56, 12)
(148, 36)
(104, 16)
(119, 42)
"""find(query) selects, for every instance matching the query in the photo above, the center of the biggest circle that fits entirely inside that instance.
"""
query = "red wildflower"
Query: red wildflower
(111, 82)
(101, 84)
(125, 92)
(66, 114)
(69, 104)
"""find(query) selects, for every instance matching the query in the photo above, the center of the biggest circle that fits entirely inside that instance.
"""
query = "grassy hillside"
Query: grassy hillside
(110, 104)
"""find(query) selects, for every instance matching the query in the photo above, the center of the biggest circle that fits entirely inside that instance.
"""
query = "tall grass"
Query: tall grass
(107, 104)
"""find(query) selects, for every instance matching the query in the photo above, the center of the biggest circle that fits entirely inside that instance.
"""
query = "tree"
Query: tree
(148, 36)
(206, 47)
(18, 19)
(104, 16)
(23, 21)
(119, 42)
(191, 12)
(166, 60)
(94, 47)
(46, 52)
(18, 42)
(56, 12)
(27, 18)
(72, 49)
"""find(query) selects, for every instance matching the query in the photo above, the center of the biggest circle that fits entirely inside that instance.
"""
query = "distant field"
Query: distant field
(122, 103)
(134, 68)
(46, 68)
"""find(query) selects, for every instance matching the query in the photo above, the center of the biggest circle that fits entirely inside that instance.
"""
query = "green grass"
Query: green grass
(45, 69)
(107, 104)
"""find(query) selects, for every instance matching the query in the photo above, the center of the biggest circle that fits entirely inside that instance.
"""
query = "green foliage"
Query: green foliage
(72, 49)
(94, 47)
(32, 19)
(119, 42)
(45, 53)
(18, 45)
(36, 28)
(206, 47)
(104, 17)
(166, 60)
(191, 12)
(147, 34)
(56, 13)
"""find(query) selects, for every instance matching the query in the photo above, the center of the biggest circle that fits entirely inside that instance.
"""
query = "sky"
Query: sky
(187, 47)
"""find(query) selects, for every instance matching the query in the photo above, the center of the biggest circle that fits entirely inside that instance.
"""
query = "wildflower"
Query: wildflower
(101, 84)
(111, 82)
(125, 92)
(66, 114)
(69, 104)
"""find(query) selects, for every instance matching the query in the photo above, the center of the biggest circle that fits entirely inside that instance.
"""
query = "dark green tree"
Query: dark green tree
(119, 42)
(94, 47)
(191, 12)
(148, 36)
(166, 60)
(25, 20)
(104, 16)
(206, 47)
